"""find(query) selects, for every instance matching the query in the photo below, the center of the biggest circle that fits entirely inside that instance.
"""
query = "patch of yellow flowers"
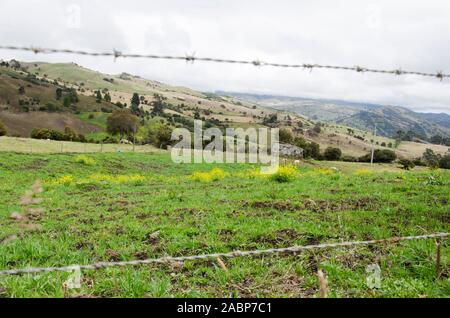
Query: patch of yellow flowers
(215, 174)
(85, 160)
(97, 178)
(362, 172)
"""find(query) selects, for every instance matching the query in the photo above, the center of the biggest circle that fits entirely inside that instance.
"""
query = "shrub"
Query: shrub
(286, 136)
(380, 155)
(85, 160)
(444, 163)
(217, 174)
(347, 158)
(3, 131)
(407, 164)
(430, 158)
(332, 154)
(67, 135)
(284, 174)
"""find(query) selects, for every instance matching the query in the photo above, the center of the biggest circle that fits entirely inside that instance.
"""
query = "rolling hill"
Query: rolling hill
(389, 119)
(29, 99)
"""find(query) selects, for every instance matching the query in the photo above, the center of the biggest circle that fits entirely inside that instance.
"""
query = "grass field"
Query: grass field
(108, 208)
(27, 145)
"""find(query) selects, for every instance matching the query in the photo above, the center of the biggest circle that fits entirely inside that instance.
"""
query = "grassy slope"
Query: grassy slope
(95, 221)
(239, 113)
(22, 123)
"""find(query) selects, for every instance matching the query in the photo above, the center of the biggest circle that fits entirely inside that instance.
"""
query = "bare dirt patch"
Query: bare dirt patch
(318, 205)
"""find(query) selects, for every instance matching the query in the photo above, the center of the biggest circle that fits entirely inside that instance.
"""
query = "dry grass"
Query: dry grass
(25, 145)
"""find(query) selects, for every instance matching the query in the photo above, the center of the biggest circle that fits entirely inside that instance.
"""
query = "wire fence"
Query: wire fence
(171, 259)
(256, 62)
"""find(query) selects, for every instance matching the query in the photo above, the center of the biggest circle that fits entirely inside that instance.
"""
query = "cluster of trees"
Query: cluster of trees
(312, 150)
(379, 156)
(124, 123)
(412, 135)
(440, 140)
(433, 160)
(67, 135)
(106, 96)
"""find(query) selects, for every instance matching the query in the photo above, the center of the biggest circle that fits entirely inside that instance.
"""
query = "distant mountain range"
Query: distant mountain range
(389, 119)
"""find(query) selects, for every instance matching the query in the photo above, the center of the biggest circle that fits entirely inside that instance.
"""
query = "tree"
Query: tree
(135, 102)
(332, 154)
(59, 93)
(407, 164)
(163, 136)
(98, 97)
(444, 163)
(122, 122)
(317, 129)
(3, 130)
(436, 139)
(430, 158)
(21, 90)
(70, 134)
(159, 105)
(286, 136)
(107, 97)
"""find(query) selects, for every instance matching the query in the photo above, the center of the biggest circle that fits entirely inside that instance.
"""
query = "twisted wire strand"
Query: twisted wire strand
(192, 58)
(234, 254)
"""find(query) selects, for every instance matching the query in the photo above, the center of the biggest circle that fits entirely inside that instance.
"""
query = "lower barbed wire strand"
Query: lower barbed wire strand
(170, 259)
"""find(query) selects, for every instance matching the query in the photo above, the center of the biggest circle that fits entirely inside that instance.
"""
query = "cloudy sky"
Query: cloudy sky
(406, 34)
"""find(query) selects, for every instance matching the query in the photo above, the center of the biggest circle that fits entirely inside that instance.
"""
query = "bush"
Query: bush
(407, 164)
(3, 131)
(380, 155)
(286, 136)
(444, 163)
(347, 158)
(332, 154)
(217, 174)
(67, 135)
(85, 160)
(284, 174)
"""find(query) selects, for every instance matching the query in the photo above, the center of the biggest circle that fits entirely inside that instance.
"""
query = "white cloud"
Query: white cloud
(411, 35)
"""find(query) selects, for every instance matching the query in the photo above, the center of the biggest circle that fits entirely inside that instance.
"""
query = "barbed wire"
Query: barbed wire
(192, 58)
(171, 259)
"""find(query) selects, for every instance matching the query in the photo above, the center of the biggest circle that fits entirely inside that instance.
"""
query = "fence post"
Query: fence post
(101, 147)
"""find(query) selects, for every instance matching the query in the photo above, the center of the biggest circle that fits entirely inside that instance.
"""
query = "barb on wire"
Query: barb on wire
(170, 259)
(191, 58)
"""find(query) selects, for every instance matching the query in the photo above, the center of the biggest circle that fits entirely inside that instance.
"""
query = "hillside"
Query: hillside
(389, 119)
(29, 99)
(27, 102)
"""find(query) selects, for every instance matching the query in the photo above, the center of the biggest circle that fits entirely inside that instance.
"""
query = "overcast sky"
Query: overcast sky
(409, 34)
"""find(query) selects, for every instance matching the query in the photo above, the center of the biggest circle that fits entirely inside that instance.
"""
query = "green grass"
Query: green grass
(99, 118)
(106, 211)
